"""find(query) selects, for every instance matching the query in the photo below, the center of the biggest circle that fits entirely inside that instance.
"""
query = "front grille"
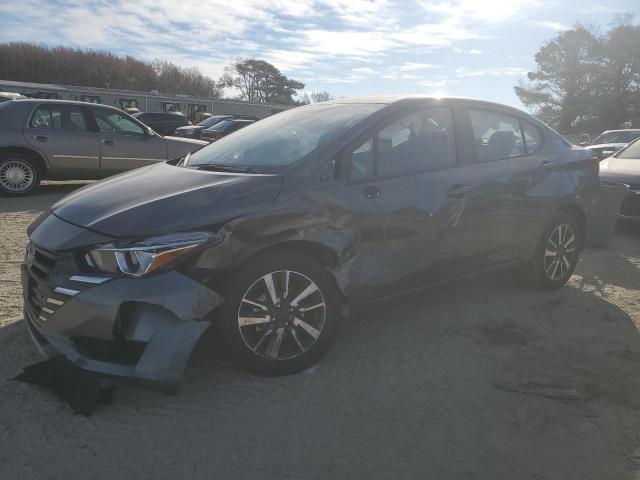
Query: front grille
(44, 295)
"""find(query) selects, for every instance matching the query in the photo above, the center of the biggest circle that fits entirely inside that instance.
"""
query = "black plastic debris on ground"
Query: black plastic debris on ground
(84, 391)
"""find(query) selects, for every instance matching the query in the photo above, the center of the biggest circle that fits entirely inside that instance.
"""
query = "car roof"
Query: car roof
(408, 98)
(11, 95)
(62, 102)
(140, 114)
(634, 130)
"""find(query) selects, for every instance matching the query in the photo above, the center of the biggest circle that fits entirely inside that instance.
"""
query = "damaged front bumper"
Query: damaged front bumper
(139, 328)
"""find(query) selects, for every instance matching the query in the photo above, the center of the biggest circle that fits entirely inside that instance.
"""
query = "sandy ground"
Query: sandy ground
(480, 379)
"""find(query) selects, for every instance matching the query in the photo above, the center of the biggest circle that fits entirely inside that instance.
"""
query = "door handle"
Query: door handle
(108, 141)
(546, 165)
(42, 138)
(458, 191)
(371, 191)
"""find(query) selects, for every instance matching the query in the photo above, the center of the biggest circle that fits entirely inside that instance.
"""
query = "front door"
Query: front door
(63, 134)
(124, 143)
(403, 168)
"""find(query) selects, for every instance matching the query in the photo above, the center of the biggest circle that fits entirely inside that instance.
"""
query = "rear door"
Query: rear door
(124, 143)
(505, 189)
(63, 133)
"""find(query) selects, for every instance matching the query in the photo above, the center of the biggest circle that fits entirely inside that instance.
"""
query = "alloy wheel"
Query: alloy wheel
(560, 252)
(16, 176)
(281, 315)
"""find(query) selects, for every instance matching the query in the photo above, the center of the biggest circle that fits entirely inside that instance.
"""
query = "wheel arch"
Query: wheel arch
(325, 255)
(320, 252)
(37, 157)
(579, 214)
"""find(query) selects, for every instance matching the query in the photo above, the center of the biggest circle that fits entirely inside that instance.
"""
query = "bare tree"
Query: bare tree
(321, 96)
(260, 81)
(28, 62)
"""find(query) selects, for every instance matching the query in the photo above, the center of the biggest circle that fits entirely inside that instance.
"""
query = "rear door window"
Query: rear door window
(70, 118)
(532, 138)
(41, 118)
(497, 136)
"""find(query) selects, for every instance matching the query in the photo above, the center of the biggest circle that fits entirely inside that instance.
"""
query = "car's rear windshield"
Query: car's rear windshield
(272, 144)
(617, 137)
(631, 151)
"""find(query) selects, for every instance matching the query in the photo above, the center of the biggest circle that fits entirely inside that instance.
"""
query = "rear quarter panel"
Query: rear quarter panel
(13, 118)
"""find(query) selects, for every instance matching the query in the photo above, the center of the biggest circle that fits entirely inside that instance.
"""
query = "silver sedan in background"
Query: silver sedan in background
(64, 140)
(624, 167)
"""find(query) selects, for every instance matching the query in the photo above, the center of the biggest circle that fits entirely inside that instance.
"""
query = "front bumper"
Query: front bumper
(139, 328)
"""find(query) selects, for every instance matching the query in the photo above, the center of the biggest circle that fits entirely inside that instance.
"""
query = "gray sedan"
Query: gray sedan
(63, 140)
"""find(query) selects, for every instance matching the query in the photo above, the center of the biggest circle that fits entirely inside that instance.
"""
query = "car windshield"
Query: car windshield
(631, 151)
(617, 137)
(276, 142)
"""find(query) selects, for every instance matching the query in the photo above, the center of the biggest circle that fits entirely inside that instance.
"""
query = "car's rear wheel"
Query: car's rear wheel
(282, 314)
(19, 174)
(557, 253)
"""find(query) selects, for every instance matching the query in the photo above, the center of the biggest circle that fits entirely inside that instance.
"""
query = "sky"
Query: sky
(474, 48)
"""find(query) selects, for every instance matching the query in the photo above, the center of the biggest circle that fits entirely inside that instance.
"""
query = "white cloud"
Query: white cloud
(311, 38)
(410, 66)
(555, 26)
(433, 83)
(490, 71)
(365, 71)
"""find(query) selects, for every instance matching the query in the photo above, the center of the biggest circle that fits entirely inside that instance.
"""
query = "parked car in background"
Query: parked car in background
(64, 140)
(163, 123)
(4, 96)
(274, 231)
(609, 142)
(194, 131)
(624, 167)
(224, 128)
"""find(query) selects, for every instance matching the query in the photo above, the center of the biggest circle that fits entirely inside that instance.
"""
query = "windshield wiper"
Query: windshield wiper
(183, 162)
(219, 167)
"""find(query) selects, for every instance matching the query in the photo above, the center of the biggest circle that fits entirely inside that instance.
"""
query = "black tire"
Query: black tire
(541, 271)
(18, 163)
(250, 280)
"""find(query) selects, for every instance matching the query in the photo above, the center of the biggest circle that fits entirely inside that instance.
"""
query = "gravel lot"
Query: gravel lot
(475, 380)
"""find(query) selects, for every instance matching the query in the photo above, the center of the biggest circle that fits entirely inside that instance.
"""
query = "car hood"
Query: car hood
(191, 127)
(626, 170)
(190, 141)
(163, 198)
(601, 146)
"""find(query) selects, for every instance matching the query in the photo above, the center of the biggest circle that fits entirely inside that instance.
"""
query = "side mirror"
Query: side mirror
(583, 144)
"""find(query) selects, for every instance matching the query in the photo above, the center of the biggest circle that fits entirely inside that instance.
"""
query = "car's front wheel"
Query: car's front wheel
(282, 313)
(18, 174)
(557, 253)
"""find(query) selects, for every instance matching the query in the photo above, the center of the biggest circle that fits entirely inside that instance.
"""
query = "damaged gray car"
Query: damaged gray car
(274, 232)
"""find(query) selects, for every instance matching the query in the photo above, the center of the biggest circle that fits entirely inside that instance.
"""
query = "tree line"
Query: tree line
(586, 81)
(255, 80)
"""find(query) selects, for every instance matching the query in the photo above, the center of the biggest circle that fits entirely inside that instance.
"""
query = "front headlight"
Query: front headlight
(147, 256)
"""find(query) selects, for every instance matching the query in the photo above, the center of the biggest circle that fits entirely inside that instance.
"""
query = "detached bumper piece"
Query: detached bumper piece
(83, 391)
(139, 328)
